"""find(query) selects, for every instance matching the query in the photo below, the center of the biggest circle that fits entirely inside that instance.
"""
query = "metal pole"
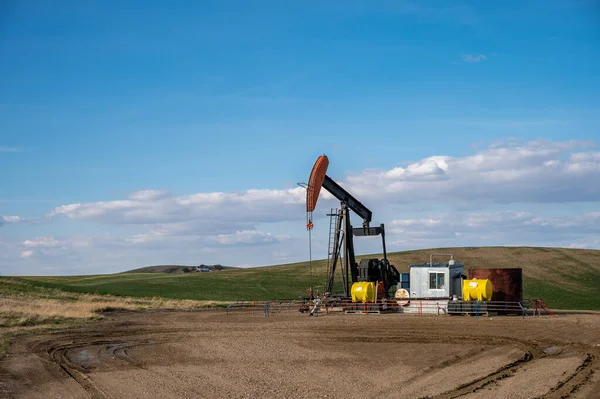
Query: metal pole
(383, 241)
(310, 257)
(346, 257)
(432, 255)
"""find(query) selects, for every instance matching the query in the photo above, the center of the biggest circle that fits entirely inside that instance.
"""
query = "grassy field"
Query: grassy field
(563, 278)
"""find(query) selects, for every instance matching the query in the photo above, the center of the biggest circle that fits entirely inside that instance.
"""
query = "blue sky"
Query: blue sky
(102, 101)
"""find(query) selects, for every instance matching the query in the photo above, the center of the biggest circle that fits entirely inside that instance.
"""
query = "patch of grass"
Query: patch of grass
(4, 344)
(558, 296)
(221, 286)
(22, 319)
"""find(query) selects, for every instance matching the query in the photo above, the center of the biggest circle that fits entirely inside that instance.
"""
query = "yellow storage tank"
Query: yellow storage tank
(363, 291)
(477, 290)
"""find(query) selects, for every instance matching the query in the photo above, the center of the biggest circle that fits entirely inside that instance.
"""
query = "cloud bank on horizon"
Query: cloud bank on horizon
(470, 200)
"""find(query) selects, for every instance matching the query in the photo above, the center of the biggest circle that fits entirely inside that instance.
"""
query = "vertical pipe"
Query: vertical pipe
(350, 251)
(432, 255)
(347, 249)
(383, 241)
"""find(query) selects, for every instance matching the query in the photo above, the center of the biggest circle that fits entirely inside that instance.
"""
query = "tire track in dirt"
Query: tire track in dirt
(574, 382)
(563, 389)
(68, 358)
(532, 350)
(505, 371)
(59, 357)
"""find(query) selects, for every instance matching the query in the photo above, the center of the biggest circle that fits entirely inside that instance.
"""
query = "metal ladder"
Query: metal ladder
(315, 308)
(540, 305)
(333, 217)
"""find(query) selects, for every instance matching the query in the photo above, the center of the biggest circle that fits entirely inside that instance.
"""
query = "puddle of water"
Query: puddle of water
(553, 350)
(83, 358)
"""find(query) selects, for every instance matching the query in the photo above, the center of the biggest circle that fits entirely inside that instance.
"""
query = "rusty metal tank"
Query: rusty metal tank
(507, 284)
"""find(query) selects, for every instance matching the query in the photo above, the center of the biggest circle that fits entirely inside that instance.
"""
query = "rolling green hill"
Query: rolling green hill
(564, 278)
(174, 269)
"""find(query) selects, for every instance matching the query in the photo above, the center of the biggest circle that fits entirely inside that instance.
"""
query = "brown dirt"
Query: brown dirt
(209, 354)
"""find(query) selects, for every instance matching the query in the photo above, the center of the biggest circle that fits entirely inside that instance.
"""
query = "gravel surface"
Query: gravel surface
(209, 354)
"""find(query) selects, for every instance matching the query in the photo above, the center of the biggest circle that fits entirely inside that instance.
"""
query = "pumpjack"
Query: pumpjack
(378, 271)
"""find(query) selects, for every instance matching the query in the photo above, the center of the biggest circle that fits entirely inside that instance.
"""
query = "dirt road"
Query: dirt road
(208, 354)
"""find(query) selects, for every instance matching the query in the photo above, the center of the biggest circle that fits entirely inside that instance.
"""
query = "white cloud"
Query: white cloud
(26, 254)
(146, 195)
(52, 242)
(400, 225)
(250, 206)
(43, 242)
(53, 246)
(10, 220)
(533, 172)
(473, 58)
(249, 237)
(496, 228)
(125, 247)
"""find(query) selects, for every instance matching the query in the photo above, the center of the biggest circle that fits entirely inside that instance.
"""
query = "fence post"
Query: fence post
(229, 306)
(522, 309)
